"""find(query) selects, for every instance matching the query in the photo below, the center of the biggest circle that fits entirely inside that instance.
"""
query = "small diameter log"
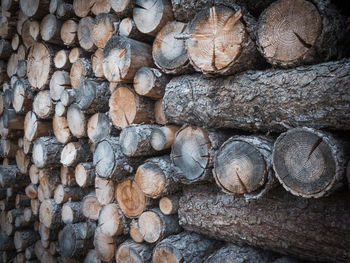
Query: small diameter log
(22, 161)
(64, 11)
(126, 107)
(90, 206)
(309, 163)
(68, 97)
(105, 26)
(9, 5)
(80, 70)
(121, 58)
(112, 221)
(28, 215)
(169, 53)
(159, 113)
(21, 18)
(76, 121)
(11, 68)
(64, 194)
(158, 177)
(60, 81)
(92, 96)
(75, 152)
(193, 152)
(263, 88)
(8, 149)
(128, 28)
(22, 96)
(72, 213)
(10, 176)
(47, 152)
(5, 49)
(130, 251)
(111, 163)
(155, 226)
(169, 204)
(98, 127)
(301, 41)
(40, 65)
(43, 106)
(67, 176)
(29, 253)
(31, 8)
(184, 247)
(85, 32)
(61, 59)
(243, 165)
(34, 174)
(97, 63)
(15, 42)
(150, 82)
(134, 231)
(76, 239)
(12, 121)
(106, 245)
(82, 7)
(22, 68)
(60, 109)
(31, 191)
(30, 33)
(162, 138)
(131, 199)
(77, 53)
(100, 6)
(104, 189)
(24, 239)
(85, 174)
(61, 129)
(151, 15)
(123, 8)
(69, 33)
(50, 29)
(49, 180)
(50, 214)
(34, 128)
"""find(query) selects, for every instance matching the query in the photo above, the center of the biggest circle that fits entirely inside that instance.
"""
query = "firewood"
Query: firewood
(8, 149)
(75, 152)
(50, 214)
(85, 174)
(96, 61)
(98, 127)
(22, 96)
(49, 179)
(104, 189)
(105, 26)
(64, 193)
(162, 138)
(24, 239)
(43, 106)
(61, 59)
(22, 68)
(68, 97)
(39, 249)
(5, 49)
(77, 53)
(53, 6)
(243, 165)
(35, 205)
(9, 5)
(128, 28)
(47, 152)
(111, 220)
(77, 121)
(299, 42)
(85, 29)
(123, 8)
(72, 213)
(29, 216)
(7, 96)
(263, 88)
(54, 248)
(12, 214)
(60, 111)
(21, 223)
(22, 161)
(41, 197)
(126, 107)
(67, 176)
(21, 18)
(65, 10)
(31, 8)
(130, 251)
(12, 121)
(327, 240)
(169, 204)
(34, 128)
(90, 206)
(121, 58)
(76, 239)
(61, 129)
(12, 63)
(31, 191)
(160, 12)
(321, 158)
(134, 231)
(50, 29)
(69, 33)
(7, 26)
(177, 247)
(29, 253)
(34, 174)
(15, 41)
(6, 242)
(80, 70)
(30, 33)
(82, 7)
(91, 257)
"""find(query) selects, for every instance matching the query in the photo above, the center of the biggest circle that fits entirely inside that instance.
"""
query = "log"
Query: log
(31, 8)
(50, 29)
(15, 41)
(295, 41)
(91, 257)
(85, 29)
(7, 26)
(169, 53)
(134, 231)
(22, 201)
(100, 6)
(77, 53)
(126, 107)
(105, 26)
(5, 49)
(67, 176)
(49, 179)
(123, 8)
(24, 239)
(9, 5)
(61, 59)
(12, 214)
(47, 152)
(65, 11)
(82, 7)
(75, 152)
(61, 129)
(128, 28)
(72, 213)
(154, 226)
(99, 127)
(29, 216)
(317, 169)
(80, 70)
(68, 97)
(158, 177)
(6, 242)
(12, 63)
(76, 121)
(104, 189)
(96, 61)
(160, 13)
(122, 58)
(22, 68)
(257, 224)
(35, 128)
(85, 174)
(30, 33)
(130, 251)
(111, 221)
(91, 207)
(263, 88)
(169, 204)
(21, 18)
(34, 174)
(43, 106)
(31, 191)
(50, 214)
(184, 247)
(150, 82)
(11, 120)
(60, 109)
(53, 6)
(76, 239)
(69, 33)
(162, 138)
(22, 161)
(64, 194)
(8, 149)
(29, 253)
(22, 96)
(193, 152)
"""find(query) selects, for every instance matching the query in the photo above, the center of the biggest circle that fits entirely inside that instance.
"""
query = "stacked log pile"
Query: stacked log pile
(174, 131)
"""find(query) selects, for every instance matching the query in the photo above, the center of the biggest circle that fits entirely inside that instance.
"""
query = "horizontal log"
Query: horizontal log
(47, 152)
(72, 213)
(130, 251)
(91, 207)
(112, 221)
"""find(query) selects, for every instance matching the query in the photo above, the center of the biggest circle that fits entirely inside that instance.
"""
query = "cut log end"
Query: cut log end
(150, 179)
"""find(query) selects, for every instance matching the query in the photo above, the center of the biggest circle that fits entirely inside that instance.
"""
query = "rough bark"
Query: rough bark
(75, 152)
(22, 161)
(310, 229)
(162, 138)
(72, 213)
(112, 221)
(8, 149)
(35, 128)
(85, 29)
(130, 251)
(99, 127)
(46, 152)
(128, 28)
(22, 96)
(49, 179)
(256, 99)
(67, 176)
(9, 175)
(169, 204)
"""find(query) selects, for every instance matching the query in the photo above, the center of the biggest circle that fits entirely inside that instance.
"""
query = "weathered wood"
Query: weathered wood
(67, 176)
(91, 257)
(9, 5)
(122, 58)
(11, 120)
(169, 204)
(130, 251)
(22, 68)
(69, 33)
(85, 31)
(134, 231)
(5, 49)
(128, 28)
(22, 161)
(43, 106)
(263, 88)
(47, 152)
(50, 29)
(80, 70)
(68, 97)
(77, 121)
(15, 41)
(112, 221)
(85, 174)
(64, 10)
(24, 239)
(60, 81)
(123, 8)
(104, 189)
(75, 152)
(31, 8)
(30, 33)
(64, 194)
(34, 128)
(61, 129)
(31, 191)
(22, 96)
(97, 63)
(29, 253)
(150, 82)
(21, 18)
(82, 7)
(262, 227)
(72, 213)
(34, 174)
(49, 179)
(61, 59)
(91, 207)
(162, 138)
(126, 107)
(8, 149)
(99, 127)
(184, 247)
(50, 214)
(106, 25)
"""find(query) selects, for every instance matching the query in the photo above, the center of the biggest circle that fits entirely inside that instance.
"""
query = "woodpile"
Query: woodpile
(173, 131)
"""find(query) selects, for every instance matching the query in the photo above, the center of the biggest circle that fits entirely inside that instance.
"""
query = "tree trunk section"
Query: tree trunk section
(50, 29)
(159, 113)
(97, 63)
(24, 239)
(106, 25)
(76, 121)
(112, 221)
(68, 97)
(47, 152)
(49, 179)
(85, 174)
(169, 204)
(43, 106)
(69, 33)
(36, 9)
(150, 82)
(60, 81)
(85, 31)
(10, 176)
(72, 213)
(61, 59)
(74, 153)
(64, 194)
(80, 70)
(104, 189)
(162, 138)
(34, 128)
(128, 28)
(91, 207)
(99, 127)
(67, 176)
(61, 129)
(22, 96)
(130, 251)
(50, 214)
(134, 232)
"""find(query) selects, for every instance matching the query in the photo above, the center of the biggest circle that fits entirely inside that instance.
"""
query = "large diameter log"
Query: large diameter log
(252, 100)
(91, 207)
(106, 245)
(258, 224)
(75, 152)
(151, 15)
(112, 221)
(162, 138)
(50, 29)
(309, 163)
(184, 247)
(130, 251)
(34, 128)
(69, 32)
(85, 29)
(46, 152)
(76, 121)
(150, 82)
(60, 81)
(43, 106)
(36, 9)
(105, 26)
(121, 58)
(99, 127)
(314, 31)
